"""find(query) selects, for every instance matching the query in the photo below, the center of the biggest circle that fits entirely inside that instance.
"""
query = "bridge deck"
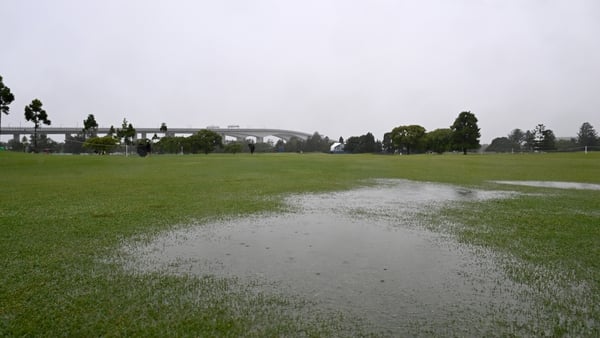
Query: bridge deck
(232, 132)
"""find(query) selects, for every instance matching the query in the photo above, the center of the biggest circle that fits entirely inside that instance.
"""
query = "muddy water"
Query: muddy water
(363, 252)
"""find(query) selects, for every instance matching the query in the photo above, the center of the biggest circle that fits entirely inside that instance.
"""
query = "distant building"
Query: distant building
(337, 147)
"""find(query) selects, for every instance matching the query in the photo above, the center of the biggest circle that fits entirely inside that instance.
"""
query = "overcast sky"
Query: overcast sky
(339, 67)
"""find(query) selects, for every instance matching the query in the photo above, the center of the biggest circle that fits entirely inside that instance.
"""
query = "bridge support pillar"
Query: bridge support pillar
(17, 137)
(260, 139)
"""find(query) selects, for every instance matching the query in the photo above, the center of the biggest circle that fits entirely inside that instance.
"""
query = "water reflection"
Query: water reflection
(361, 251)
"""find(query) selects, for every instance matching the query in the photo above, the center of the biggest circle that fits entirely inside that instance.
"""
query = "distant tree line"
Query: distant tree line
(463, 135)
(314, 143)
(34, 113)
(204, 141)
(362, 144)
(542, 139)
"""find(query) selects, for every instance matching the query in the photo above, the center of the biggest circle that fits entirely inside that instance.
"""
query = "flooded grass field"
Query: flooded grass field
(363, 252)
(299, 245)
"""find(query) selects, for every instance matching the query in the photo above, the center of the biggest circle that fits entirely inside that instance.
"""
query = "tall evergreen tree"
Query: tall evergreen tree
(543, 139)
(587, 136)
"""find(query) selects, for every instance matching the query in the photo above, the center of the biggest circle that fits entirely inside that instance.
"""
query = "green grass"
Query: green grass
(60, 216)
(551, 242)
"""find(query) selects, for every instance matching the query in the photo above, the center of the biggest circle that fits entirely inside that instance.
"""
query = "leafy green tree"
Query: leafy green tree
(101, 145)
(529, 140)
(439, 140)
(587, 135)
(368, 144)
(293, 145)
(567, 145)
(517, 137)
(174, 145)
(408, 137)
(502, 145)
(465, 132)
(352, 145)
(233, 147)
(263, 147)
(388, 144)
(6, 98)
(362, 144)
(46, 144)
(549, 140)
(16, 145)
(206, 141)
(36, 114)
(90, 126)
(317, 143)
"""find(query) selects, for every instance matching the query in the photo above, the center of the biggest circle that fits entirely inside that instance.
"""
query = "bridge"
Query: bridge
(239, 133)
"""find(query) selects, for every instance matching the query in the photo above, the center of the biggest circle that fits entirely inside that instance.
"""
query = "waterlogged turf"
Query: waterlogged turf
(64, 221)
(363, 252)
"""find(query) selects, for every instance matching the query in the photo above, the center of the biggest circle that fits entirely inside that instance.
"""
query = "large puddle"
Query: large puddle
(363, 252)
(553, 184)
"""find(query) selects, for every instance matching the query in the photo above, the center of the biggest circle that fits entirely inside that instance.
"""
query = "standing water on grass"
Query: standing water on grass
(363, 252)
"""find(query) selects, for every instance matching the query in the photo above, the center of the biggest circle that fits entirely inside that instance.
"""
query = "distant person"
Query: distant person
(252, 147)
(144, 148)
